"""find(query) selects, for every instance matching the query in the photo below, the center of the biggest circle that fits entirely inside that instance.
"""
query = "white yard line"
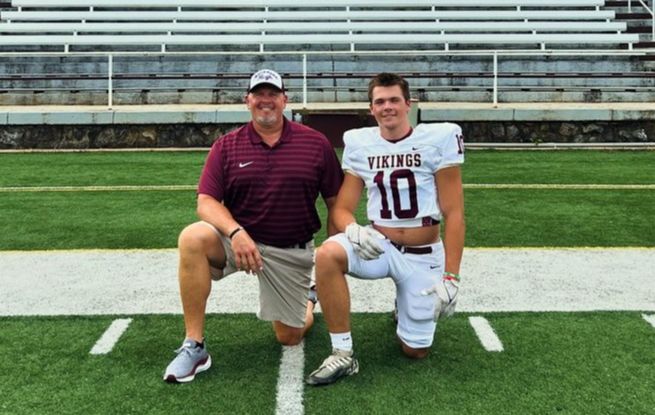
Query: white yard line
(290, 384)
(111, 336)
(194, 187)
(650, 319)
(561, 186)
(107, 150)
(486, 334)
(93, 188)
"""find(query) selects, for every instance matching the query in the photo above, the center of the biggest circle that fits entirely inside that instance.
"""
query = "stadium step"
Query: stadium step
(633, 16)
(645, 45)
(616, 4)
(640, 29)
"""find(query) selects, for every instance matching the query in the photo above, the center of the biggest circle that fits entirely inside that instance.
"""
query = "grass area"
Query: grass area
(55, 373)
(564, 363)
(495, 218)
(184, 168)
(101, 169)
(535, 218)
(552, 363)
(87, 220)
(560, 167)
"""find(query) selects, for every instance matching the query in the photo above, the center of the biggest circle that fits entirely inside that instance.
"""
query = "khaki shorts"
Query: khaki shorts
(283, 283)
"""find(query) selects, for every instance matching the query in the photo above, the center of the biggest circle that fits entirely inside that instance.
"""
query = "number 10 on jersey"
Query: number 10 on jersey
(394, 178)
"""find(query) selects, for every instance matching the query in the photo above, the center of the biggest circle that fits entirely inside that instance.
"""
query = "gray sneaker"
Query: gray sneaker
(190, 361)
(339, 364)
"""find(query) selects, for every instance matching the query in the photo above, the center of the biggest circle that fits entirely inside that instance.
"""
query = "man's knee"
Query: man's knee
(414, 353)
(329, 255)
(193, 236)
(196, 238)
(289, 336)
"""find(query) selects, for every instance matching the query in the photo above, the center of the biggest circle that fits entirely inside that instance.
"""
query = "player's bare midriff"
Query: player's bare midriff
(411, 236)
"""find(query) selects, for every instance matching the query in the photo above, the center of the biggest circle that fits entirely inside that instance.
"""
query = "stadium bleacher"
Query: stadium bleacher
(359, 25)
(255, 27)
(201, 52)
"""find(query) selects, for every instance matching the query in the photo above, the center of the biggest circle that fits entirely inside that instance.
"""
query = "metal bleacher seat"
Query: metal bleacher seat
(179, 51)
(267, 24)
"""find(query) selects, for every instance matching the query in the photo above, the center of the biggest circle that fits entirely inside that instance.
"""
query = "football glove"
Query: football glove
(446, 292)
(365, 240)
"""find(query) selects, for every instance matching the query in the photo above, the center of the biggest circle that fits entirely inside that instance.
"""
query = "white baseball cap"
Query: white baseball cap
(266, 76)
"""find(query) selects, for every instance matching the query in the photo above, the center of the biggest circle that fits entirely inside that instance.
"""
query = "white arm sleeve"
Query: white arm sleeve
(347, 157)
(452, 148)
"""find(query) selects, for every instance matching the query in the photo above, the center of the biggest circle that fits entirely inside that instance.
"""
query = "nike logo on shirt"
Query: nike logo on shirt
(242, 165)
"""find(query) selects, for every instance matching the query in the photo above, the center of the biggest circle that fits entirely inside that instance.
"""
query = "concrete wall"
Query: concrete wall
(203, 135)
(110, 136)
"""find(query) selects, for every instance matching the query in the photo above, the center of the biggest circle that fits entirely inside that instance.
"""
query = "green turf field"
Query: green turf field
(184, 168)
(154, 218)
(552, 363)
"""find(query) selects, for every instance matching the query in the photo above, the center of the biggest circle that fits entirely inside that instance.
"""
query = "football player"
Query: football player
(413, 182)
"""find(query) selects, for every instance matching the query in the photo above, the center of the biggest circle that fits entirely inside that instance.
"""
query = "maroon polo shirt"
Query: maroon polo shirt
(272, 191)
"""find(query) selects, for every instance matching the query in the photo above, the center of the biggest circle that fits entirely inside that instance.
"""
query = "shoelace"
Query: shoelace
(183, 349)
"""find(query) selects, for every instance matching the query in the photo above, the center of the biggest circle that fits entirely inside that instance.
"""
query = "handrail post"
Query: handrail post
(304, 81)
(629, 6)
(110, 65)
(495, 79)
(652, 15)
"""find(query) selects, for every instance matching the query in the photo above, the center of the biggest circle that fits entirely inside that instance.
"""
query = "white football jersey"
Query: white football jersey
(399, 176)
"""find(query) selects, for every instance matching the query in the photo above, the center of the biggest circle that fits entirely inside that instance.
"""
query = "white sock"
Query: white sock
(342, 341)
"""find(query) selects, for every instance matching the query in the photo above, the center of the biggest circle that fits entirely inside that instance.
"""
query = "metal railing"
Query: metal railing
(645, 6)
(495, 55)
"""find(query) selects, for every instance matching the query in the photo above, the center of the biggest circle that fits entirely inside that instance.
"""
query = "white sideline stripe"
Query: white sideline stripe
(194, 187)
(111, 336)
(650, 319)
(108, 150)
(562, 186)
(290, 383)
(94, 188)
(486, 334)
(482, 248)
(496, 280)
